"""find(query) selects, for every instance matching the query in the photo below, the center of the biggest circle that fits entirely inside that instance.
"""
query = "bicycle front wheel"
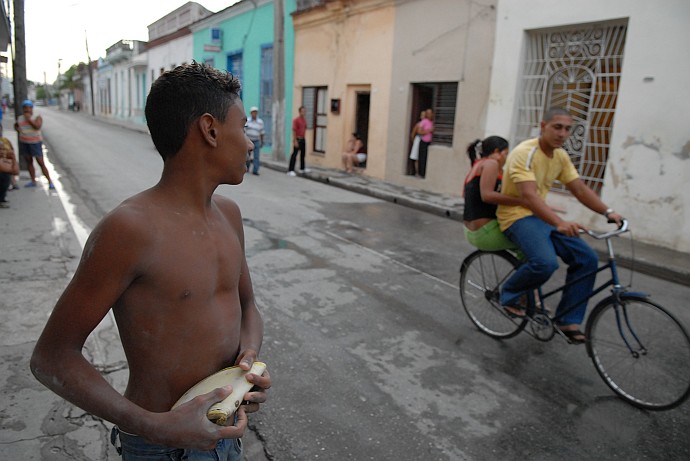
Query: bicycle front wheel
(641, 351)
(481, 276)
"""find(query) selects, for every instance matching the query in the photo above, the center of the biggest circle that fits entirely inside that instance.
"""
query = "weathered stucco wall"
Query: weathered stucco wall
(347, 48)
(649, 159)
(385, 46)
(441, 41)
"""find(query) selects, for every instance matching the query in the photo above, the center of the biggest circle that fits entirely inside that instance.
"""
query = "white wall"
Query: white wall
(649, 159)
(169, 55)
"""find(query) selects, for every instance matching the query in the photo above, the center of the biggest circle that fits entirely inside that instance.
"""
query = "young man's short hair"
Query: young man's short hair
(182, 95)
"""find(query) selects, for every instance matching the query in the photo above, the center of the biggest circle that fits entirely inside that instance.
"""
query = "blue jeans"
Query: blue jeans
(541, 243)
(135, 448)
(256, 155)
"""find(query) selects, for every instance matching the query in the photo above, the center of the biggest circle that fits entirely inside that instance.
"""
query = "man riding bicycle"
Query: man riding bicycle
(541, 235)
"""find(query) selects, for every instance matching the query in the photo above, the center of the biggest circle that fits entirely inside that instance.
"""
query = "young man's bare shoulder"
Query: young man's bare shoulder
(134, 217)
(226, 205)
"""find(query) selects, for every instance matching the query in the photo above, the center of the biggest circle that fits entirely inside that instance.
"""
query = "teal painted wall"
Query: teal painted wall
(246, 33)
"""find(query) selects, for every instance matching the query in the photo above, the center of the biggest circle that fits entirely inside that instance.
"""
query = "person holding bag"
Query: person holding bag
(414, 151)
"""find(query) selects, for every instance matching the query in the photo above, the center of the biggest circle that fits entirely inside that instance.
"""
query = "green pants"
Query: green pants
(489, 237)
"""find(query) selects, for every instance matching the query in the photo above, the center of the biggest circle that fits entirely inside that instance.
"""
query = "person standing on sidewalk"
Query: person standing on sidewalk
(425, 130)
(299, 129)
(31, 142)
(255, 132)
(170, 263)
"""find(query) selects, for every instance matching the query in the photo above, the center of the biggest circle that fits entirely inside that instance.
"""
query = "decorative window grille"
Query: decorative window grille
(579, 69)
(314, 99)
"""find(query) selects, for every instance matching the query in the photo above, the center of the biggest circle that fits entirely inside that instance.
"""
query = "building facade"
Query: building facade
(170, 40)
(602, 61)
(239, 39)
(371, 66)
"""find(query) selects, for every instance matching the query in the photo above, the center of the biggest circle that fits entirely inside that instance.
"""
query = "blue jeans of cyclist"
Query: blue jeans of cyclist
(541, 243)
(135, 448)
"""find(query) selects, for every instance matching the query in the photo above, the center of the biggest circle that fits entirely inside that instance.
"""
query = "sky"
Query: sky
(57, 29)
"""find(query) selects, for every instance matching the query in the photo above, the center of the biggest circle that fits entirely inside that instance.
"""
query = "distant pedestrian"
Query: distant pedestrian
(416, 138)
(8, 168)
(299, 129)
(426, 129)
(31, 142)
(255, 132)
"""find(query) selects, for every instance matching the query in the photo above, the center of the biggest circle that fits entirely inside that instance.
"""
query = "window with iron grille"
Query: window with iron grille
(577, 68)
(235, 65)
(315, 101)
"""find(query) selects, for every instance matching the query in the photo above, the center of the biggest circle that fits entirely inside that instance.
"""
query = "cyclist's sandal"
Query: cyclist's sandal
(519, 310)
(574, 336)
(515, 312)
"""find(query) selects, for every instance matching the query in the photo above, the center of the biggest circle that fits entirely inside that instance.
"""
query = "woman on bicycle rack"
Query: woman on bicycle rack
(541, 235)
(482, 192)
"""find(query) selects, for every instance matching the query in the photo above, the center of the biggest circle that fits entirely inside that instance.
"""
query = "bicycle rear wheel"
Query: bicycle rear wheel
(481, 276)
(641, 351)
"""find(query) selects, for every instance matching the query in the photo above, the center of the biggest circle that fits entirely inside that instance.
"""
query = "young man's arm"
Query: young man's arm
(532, 200)
(588, 198)
(252, 327)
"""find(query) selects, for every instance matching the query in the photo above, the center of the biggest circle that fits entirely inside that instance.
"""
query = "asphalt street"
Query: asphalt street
(370, 353)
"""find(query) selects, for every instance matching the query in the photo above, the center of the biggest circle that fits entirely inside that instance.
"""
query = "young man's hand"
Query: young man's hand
(257, 395)
(569, 228)
(187, 426)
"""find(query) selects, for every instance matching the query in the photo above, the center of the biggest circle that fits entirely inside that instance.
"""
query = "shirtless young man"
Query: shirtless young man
(170, 263)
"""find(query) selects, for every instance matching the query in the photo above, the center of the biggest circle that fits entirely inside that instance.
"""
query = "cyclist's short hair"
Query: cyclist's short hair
(555, 111)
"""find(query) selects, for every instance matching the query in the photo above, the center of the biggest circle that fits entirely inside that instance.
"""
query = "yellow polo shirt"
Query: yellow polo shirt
(527, 162)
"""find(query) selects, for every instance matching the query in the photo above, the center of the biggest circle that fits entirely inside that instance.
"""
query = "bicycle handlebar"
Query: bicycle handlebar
(606, 235)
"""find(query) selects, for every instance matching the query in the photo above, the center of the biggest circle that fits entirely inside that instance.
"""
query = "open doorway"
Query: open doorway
(362, 121)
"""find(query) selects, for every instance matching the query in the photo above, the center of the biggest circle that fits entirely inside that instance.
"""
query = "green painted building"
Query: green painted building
(240, 39)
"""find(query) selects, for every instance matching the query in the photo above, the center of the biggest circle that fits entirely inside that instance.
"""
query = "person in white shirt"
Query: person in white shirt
(255, 132)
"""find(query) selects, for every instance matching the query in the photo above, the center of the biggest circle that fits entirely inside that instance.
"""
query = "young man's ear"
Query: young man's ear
(209, 129)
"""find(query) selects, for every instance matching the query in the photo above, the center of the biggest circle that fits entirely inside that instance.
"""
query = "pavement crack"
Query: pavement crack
(262, 439)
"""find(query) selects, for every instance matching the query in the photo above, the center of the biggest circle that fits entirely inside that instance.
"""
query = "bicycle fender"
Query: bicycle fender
(635, 294)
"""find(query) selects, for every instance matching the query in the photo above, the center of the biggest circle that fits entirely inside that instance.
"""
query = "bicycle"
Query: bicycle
(639, 349)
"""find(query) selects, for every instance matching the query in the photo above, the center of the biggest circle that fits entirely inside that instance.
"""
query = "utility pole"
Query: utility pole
(278, 80)
(19, 83)
(19, 58)
(88, 63)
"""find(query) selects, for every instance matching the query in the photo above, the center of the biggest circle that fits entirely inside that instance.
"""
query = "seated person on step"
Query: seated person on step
(354, 155)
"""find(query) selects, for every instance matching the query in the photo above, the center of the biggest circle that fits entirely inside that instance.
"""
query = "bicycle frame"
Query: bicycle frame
(613, 281)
